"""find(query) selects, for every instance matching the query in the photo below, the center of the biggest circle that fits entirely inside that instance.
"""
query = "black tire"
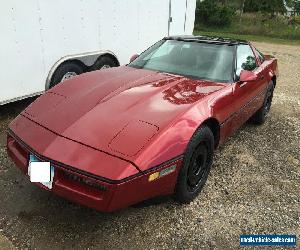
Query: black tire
(62, 70)
(196, 165)
(260, 116)
(104, 62)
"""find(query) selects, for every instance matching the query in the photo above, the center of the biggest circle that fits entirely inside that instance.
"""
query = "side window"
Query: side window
(245, 59)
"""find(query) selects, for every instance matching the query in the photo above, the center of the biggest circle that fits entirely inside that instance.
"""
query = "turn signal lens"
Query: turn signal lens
(162, 173)
(153, 176)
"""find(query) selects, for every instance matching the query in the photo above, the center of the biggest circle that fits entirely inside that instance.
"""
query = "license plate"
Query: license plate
(40, 171)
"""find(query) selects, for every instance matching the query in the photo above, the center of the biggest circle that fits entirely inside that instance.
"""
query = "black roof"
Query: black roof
(208, 39)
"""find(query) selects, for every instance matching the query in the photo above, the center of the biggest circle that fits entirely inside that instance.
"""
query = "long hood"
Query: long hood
(118, 110)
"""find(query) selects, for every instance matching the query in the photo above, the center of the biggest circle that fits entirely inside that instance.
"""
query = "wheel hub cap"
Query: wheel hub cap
(198, 166)
(105, 66)
(68, 75)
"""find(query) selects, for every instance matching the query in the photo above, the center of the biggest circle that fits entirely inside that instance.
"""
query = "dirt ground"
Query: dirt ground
(253, 188)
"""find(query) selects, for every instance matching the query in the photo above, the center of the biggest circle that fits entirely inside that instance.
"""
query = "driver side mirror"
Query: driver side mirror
(134, 57)
(248, 76)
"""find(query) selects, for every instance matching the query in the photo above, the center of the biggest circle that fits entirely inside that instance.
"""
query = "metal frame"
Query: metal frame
(88, 59)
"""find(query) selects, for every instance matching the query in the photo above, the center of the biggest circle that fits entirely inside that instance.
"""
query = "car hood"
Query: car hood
(117, 110)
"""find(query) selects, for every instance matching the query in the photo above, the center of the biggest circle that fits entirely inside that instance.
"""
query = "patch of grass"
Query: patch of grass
(257, 27)
(254, 38)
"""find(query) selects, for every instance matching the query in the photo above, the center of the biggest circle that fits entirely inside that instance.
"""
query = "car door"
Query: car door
(247, 96)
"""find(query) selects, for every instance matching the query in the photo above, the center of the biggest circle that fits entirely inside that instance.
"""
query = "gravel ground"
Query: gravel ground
(253, 188)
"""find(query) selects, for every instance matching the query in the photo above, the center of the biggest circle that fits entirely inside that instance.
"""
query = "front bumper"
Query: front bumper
(94, 191)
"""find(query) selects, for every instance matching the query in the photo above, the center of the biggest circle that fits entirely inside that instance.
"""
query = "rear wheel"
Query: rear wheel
(196, 165)
(260, 116)
(66, 71)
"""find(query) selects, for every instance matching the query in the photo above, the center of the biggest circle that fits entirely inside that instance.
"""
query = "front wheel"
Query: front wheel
(196, 165)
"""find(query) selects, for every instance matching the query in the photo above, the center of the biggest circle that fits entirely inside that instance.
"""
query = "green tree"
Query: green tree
(274, 6)
(292, 3)
(252, 6)
(289, 3)
(266, 6)
(214, 13)
(295, 4)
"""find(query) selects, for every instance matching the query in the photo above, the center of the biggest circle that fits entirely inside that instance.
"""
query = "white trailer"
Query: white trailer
(46, 41)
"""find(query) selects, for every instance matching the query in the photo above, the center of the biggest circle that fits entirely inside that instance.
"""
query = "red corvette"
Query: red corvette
(118, 136)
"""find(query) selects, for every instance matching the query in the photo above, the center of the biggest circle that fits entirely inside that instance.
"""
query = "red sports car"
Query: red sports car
(115, 137)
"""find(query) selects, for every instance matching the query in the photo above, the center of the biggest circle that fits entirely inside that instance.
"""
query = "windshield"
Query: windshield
(191, 59)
